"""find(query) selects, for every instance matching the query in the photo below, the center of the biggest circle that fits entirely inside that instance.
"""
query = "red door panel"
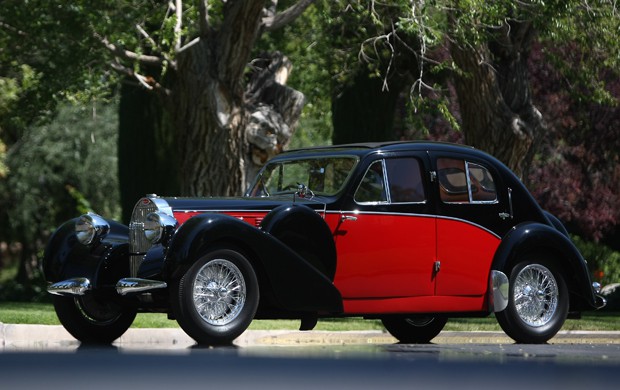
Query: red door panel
(385, 255)
(465, 252)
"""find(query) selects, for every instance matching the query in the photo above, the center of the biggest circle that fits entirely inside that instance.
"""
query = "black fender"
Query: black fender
(296, 284)
(303, 230)
(556, 223)
(103, 262)
(532, 237)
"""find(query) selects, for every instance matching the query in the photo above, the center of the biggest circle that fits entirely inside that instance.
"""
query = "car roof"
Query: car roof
(362, 149)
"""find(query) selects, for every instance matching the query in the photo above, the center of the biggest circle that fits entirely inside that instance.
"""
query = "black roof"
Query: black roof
(361, 149)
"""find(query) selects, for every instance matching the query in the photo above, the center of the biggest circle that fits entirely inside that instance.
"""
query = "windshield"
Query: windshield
(324, 176)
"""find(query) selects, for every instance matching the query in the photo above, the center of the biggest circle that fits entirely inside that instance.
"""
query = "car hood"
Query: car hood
(237, 203)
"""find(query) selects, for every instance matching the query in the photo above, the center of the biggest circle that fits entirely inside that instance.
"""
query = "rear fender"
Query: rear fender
(530, 238)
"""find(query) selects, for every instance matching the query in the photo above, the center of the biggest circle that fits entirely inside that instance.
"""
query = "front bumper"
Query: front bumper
(125, 286)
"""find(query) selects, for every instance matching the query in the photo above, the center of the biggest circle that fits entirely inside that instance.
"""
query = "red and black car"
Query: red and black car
(409, 233)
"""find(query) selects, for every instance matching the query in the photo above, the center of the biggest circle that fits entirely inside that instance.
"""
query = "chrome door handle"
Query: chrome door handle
(347, 218)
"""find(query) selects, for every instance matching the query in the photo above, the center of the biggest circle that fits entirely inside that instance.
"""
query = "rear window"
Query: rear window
(462, 181)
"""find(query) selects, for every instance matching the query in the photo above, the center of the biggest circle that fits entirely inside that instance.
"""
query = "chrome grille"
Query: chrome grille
(138, 244)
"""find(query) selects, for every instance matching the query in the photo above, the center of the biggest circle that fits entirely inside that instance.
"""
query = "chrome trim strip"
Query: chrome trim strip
(135, 285)
(358, 212)
(69, 287)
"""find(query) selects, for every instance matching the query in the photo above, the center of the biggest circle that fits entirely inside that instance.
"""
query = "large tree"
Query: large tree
(485, 47)
(227, 111)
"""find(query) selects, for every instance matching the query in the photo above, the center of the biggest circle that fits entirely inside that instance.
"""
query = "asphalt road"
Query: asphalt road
(46, 357)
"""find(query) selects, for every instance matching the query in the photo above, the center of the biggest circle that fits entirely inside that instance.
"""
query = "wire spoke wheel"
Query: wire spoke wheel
(93, 320)
(536, 295)
(219, 292)
(538, 303)
(217, 298)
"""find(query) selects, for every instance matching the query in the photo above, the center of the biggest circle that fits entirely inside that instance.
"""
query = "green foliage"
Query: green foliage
(58, 170)
(602, 260)
(303, 42)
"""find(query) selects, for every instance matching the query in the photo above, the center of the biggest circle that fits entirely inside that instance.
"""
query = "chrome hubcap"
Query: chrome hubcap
(535, 295)
(219, 292)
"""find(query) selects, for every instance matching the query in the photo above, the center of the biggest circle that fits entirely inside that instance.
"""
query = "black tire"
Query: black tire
(229, 301)
(537, 304)
(92, 320)
(414, 330)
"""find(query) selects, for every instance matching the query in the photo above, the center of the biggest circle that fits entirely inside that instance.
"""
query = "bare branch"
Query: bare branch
(274, 22)
(154, 45)
(190, 44)
(130, 55)
(147, 82)
(178, 25)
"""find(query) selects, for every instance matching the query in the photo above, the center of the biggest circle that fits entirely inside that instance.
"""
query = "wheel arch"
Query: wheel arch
(530, 239)
(296, 285)
(101, 262)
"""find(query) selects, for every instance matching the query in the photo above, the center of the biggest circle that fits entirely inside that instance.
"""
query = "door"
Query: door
(471, 219)
(386, 234)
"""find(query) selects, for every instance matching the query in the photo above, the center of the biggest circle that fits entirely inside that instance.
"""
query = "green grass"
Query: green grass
(43, 313)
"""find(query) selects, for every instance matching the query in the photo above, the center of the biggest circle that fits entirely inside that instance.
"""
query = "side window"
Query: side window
(452, 180)
(464, 182)
(482, 184)
(405, 180)
(372, 187)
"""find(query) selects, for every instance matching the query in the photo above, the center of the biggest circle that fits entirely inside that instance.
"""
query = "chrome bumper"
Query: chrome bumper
(80, 286)
(75, 286)
(498, 291)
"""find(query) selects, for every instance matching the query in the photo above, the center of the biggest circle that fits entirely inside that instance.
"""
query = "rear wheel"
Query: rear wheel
(93, 320)
(414, 330)
(538, 303)
(217, 297)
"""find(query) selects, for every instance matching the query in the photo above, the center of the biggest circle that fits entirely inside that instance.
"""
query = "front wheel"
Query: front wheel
(414, 330)
(93, 320)
(538, 303)
(217, 297)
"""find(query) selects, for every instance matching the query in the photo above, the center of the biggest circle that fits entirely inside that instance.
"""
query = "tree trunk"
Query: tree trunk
(492, 86)
(274, 110)
(147, 161)
(223, 129)
(209, 117)
(208, 103)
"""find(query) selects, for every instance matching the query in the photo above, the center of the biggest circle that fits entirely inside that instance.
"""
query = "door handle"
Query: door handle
(347, 218)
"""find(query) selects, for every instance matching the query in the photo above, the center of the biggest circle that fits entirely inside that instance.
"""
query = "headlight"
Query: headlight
(158, 227)
(89, 227)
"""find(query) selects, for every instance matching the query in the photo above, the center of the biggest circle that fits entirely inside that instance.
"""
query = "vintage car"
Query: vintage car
(409, 233)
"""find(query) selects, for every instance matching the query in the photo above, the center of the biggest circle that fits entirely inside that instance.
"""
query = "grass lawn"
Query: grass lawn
(43, 313)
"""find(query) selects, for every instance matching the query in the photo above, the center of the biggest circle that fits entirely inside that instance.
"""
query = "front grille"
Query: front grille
(138, 244)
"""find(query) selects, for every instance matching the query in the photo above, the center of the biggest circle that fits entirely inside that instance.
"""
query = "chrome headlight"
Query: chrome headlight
(158, 227)
(89, 227)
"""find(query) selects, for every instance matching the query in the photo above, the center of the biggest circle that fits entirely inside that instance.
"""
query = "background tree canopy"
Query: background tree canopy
(200, 94)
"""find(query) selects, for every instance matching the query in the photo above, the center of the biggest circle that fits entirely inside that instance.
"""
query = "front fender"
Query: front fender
(536, 237)
(296, 284)
(103, 262)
